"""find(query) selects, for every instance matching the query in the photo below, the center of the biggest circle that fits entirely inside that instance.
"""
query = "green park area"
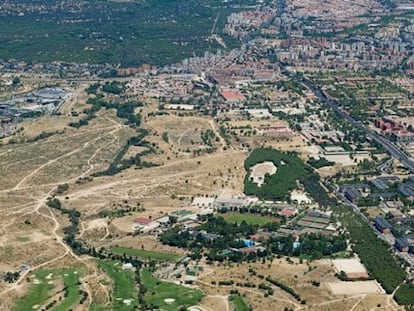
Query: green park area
(248, 218)
(168, 296)
(144, 254)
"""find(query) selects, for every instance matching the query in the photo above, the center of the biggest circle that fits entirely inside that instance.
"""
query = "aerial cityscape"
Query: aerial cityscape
(222, 155)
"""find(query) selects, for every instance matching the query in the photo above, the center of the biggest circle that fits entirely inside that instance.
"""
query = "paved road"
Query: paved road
(395, 151)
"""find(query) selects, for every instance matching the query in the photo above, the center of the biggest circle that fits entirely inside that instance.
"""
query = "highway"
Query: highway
(389, 146)
(393, 150)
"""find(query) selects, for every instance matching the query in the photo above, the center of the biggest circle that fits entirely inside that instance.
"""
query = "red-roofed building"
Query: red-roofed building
(258, 236)
(232, 96)
(142, 221)
(288, 212)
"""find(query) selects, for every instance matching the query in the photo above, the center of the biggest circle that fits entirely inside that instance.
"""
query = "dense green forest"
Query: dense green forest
(376, 256)
(278, 186)
(126, 32)
(372, 251)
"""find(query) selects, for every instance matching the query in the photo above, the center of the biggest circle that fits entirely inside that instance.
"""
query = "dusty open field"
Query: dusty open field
(182, 135)
(297, 276)
(32, 233)
(355, 288)
(346, 160)
(352, 267)
(62, 156)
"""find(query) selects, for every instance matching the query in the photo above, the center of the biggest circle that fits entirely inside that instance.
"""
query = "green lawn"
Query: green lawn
(238, 303)
(70, 279)
(124, 285)
(38, 294)
(145, 254)
(248, 218)
(158, 291)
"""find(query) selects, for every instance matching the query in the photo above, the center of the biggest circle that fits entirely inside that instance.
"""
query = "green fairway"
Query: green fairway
(124, 285)
(158, 291)
(42, 288)
(37, 294)
(145, 254)
(238, 303)
(248, 218)
(70, 279)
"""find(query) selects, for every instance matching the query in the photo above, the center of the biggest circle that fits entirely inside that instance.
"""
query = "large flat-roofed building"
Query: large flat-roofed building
(230, 202)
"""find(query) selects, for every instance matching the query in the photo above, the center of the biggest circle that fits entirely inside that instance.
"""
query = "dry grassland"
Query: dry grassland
(33, 233)
(297, 276)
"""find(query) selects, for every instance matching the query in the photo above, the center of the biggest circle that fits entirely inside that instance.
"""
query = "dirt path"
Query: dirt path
(217, 133)
(85, 145)
(148, 181)
(41, 202)
(182, 136)
(21, 182)
(225, 299)
(357, 303)
(257, 292)
(24, 274)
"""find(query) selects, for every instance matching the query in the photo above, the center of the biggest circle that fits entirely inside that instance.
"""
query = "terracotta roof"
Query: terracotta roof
(142, 221)
(232, 95)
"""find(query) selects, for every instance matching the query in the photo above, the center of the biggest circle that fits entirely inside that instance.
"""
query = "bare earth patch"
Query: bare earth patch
(355, 288)
(259, 171)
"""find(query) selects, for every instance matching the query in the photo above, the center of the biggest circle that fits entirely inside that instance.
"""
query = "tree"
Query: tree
(16, 81)
(10, 277)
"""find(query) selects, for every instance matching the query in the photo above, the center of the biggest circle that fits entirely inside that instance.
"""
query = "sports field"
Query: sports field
(248, 218)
